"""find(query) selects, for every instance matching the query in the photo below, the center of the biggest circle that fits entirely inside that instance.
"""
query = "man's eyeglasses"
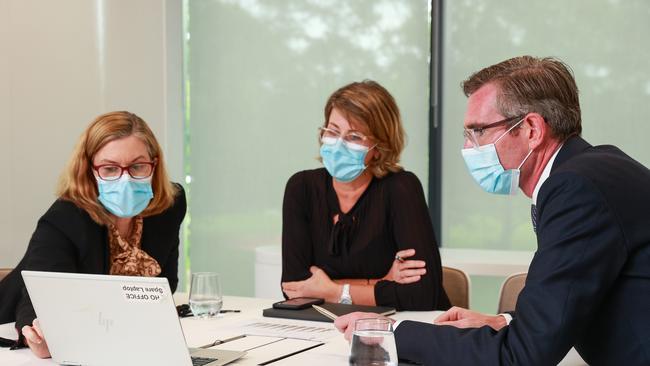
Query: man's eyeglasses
(139, 170)
(473, 134)
(351, 139)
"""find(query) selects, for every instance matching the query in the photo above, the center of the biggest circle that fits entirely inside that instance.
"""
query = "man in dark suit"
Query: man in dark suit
(588, 285)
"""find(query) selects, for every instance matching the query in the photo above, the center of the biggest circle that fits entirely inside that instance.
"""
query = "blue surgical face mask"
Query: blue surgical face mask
(125, 197)
(486, 169)
(344, 163)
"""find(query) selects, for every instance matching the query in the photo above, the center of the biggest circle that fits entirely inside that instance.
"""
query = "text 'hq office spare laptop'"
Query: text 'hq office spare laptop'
(113, 320)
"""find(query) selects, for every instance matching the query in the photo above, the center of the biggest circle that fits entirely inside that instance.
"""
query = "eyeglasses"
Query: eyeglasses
(139, 170)
(351, 139)
(473, 134)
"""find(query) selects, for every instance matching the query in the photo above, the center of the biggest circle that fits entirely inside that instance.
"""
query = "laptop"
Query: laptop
(113, 320)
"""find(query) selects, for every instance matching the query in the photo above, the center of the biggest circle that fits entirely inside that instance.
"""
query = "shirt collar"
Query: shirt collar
(545, 174)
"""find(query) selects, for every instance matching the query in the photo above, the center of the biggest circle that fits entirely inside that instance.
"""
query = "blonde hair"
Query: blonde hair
(78, 184)
(371, 104)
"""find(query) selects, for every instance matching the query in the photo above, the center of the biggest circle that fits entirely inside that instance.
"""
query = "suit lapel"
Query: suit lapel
(571, 147)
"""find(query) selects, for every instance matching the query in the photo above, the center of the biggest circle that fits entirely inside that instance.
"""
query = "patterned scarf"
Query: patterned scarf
(127, 259)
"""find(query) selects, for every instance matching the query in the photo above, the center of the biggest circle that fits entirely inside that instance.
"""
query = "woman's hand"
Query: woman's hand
(406, 271)
(35, 340)
(318, 285)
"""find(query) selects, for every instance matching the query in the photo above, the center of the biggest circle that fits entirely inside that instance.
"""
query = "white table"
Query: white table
(201, 331)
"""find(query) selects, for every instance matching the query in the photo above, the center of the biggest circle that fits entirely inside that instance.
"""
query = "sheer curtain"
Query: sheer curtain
(603, 41)
(257, 78)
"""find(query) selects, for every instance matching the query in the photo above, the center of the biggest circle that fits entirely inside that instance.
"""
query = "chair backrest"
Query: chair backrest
(4, 272)
(456, 284)
(510, 290)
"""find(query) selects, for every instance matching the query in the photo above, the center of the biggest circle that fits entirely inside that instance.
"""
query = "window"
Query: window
(603, 41)
(258, 75)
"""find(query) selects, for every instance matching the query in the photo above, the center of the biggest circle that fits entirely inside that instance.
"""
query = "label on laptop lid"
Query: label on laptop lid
(143, 293)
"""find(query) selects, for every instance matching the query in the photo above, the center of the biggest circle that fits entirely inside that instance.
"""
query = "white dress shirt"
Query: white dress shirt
(545, 174)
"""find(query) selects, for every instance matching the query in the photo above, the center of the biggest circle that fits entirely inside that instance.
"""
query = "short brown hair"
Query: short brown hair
(529, 84)
(371, 104)
(78, 184)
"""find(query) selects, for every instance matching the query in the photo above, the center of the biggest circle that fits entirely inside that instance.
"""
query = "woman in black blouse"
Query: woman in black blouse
(347, 228)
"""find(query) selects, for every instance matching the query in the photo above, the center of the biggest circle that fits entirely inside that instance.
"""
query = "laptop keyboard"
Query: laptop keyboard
(200, 361)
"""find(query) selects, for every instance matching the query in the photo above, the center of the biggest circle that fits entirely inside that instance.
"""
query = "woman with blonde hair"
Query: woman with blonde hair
(348, 228)
(116, 213)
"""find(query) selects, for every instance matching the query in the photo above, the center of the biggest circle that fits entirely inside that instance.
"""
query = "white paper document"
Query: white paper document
(288, 329)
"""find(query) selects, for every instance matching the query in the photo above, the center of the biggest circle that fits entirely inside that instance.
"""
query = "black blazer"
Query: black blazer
(66, 239)
(588, 285)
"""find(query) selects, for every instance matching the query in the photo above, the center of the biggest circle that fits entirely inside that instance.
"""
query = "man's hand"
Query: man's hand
(463, 318)
(35, 340)
(318, 285)
(345, 323)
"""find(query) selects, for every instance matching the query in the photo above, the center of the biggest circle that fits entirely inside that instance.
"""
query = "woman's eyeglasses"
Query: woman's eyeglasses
(139, 170)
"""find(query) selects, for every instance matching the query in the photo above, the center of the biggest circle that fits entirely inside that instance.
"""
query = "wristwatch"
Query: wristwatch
(345, 295)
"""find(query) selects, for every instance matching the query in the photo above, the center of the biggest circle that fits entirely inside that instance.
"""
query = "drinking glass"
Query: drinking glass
(205, 294)
(373, 343)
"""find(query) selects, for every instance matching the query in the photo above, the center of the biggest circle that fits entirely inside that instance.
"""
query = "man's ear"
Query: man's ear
(537, 130)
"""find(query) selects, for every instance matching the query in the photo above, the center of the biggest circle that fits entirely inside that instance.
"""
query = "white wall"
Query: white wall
(64, 62)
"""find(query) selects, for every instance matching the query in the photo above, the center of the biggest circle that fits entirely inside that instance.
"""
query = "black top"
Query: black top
(66, 239)
(391, 215)
(588, 285)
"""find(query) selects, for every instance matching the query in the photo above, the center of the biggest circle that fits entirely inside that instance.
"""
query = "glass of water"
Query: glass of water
(373, 343)
(205, 294)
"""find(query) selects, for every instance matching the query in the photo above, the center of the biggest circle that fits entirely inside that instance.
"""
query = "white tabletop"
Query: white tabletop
(199, 332)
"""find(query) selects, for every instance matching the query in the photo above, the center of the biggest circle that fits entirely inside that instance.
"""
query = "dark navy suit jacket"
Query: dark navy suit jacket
(588, 285)
(66, 239)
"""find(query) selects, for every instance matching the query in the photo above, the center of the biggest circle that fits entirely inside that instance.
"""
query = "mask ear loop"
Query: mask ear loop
(510, 129)
(365, 166)
(513, 187)
(526, 158)
(505, 133)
